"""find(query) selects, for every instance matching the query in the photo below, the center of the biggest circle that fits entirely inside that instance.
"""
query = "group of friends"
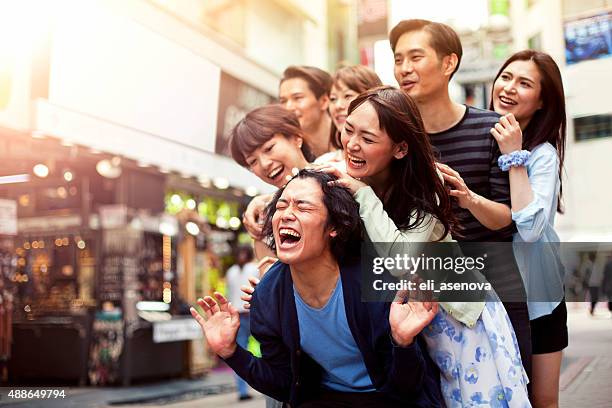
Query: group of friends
(355, 160)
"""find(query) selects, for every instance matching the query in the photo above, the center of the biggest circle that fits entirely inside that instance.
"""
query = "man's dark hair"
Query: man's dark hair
(342, 216)
(443, 39)
(319, 81)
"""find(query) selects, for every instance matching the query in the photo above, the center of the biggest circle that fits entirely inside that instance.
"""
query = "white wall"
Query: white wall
(132, 76)
(587, 86)
(273, 36)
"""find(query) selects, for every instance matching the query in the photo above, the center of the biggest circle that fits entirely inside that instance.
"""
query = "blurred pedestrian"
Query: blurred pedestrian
(606, 285)
(528, 92)
(595, 278)
(238, 275)
(305, 91)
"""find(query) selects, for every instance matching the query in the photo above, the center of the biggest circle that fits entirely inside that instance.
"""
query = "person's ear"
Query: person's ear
(401, 150)
(333, 233)
(324, 102)
(298, 140)
(449, 63)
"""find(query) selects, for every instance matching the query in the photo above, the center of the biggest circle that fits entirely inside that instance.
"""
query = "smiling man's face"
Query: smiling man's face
(299, 223)
(418, 69)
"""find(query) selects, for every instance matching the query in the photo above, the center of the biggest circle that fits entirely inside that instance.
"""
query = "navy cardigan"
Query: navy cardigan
(287, 374)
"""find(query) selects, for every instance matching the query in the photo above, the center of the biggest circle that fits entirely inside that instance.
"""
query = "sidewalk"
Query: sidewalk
(160, 393)
(587, 369)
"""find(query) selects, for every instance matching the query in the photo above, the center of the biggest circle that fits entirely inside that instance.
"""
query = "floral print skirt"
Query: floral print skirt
(479, 366)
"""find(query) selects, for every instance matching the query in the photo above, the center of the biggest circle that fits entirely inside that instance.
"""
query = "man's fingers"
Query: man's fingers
(401, 296)
(246, 298)
(266, 259)
(223, 303)
(205, 307)
(434, 308)
(246, 306)
(456, 193)
(248, 290)
(233, 313)
(197, 316)
(212, 305)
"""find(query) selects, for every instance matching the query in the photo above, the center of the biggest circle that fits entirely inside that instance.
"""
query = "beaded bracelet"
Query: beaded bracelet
(515, 159)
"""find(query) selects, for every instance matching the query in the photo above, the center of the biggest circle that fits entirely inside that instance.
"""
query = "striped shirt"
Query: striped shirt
(470, 149)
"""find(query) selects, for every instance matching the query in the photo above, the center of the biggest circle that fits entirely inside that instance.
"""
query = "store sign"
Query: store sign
(8, 217)
(236, 99)
(176, 330)
(588, 38)
(51, 223)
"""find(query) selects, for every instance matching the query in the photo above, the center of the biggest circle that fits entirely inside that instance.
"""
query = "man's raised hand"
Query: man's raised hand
(407, 319)
(220, 326)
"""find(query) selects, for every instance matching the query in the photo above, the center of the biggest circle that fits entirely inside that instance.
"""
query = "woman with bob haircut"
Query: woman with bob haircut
(269, 142)
(391, 172)
(528, 92)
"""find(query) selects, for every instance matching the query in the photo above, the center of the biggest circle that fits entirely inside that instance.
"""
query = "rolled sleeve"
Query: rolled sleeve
(543, 170)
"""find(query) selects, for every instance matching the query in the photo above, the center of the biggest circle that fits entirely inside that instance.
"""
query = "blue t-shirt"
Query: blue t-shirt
(326, 337)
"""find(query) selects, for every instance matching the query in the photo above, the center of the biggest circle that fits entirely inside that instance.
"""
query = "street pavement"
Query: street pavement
(587, 370)
(585, 377)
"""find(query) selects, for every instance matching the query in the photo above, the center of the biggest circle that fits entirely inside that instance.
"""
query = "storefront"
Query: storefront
(90, 269)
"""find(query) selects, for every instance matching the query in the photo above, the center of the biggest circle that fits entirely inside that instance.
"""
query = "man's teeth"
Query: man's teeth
(286, 231)
(275, 173)
(507, 100)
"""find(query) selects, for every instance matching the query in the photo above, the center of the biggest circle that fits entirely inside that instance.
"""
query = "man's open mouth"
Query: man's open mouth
(288, 237)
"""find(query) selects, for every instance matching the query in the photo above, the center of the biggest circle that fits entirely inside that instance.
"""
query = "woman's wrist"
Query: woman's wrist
(516, 158)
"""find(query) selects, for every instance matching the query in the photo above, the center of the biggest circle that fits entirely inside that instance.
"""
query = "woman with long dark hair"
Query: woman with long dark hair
(402, 200)
(528, 92)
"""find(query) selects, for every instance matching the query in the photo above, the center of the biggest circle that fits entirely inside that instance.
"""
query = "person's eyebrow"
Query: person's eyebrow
(411, 51)
(369, 132)
(306, 202)
(527, 79)
(298, 202)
